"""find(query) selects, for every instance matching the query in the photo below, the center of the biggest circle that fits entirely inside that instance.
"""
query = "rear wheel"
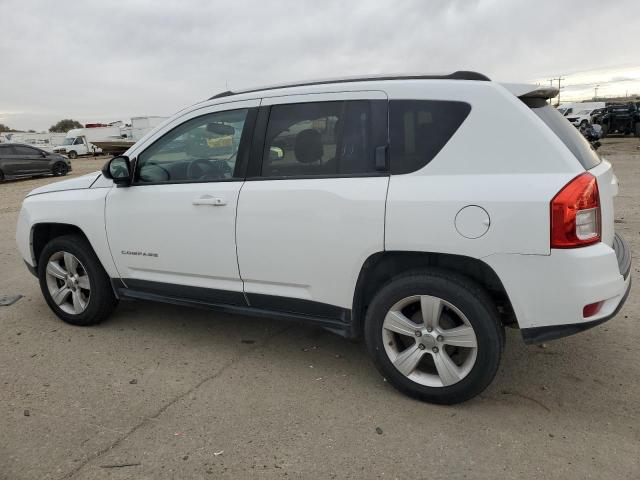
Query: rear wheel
(73, 282)
(435, 336)
(59, 169)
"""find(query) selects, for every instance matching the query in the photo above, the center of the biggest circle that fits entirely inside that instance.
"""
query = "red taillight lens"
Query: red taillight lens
(575, 213)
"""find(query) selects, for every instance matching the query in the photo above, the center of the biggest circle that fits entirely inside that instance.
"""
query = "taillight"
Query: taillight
(575, 213)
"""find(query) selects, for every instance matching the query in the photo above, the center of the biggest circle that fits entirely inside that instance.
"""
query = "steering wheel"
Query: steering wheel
(203, 169)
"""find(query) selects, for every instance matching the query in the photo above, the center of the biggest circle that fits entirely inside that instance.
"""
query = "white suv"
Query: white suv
(385, 208)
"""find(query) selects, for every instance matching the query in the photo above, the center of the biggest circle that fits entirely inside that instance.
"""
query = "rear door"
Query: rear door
(21, 160)
(312, 208)
(9, 161)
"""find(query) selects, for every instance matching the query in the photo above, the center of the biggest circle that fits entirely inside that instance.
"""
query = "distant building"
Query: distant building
(44, 139)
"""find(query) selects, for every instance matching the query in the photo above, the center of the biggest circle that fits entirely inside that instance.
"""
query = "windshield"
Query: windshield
(569, 135)
(68, 141)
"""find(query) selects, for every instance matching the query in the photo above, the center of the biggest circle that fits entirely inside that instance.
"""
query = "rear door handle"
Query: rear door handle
(210, 200)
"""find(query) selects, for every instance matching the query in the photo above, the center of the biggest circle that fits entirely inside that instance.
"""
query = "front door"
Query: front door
(174, 227)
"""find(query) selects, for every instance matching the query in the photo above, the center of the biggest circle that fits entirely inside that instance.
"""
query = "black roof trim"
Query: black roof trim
(459, 75)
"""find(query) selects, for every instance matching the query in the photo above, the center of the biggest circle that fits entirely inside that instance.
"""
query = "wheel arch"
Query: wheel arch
(382, 267)
(42, 233)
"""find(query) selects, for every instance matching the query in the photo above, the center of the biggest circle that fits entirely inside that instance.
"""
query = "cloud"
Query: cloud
(99, 61)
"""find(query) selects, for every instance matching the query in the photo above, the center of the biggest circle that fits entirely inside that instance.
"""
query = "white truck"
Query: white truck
(79, 141)
(129, 135)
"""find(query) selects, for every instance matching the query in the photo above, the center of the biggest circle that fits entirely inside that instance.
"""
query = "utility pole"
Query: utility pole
(560, 78)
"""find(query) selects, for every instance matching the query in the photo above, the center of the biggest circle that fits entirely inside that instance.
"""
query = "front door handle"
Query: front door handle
(210, 200)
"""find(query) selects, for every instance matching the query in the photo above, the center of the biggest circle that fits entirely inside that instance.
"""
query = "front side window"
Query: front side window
(320, 139)
(78, 141)
(419, 129)
(200, 150)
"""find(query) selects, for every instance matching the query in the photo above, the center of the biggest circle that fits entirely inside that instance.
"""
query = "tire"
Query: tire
(637, 129)
(605, 130)
(59, 169)
(72, 155)
(457, 295)
(98, 300)
(584, 123)
(1, 176)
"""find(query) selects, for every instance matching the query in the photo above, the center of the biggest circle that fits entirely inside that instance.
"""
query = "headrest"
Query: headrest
(308, 147)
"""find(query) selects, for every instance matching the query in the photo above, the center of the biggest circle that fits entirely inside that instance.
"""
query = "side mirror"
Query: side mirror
(118, 169)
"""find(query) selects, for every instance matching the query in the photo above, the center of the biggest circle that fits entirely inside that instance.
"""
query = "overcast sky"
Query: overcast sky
(108, 60)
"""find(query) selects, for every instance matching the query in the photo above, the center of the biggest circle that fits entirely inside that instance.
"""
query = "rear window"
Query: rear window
(418, 129)
(569, 135)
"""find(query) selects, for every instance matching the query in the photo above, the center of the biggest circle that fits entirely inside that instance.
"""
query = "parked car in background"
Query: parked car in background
(595, 115)
(379, 208)
(18, 160)
(621, 118)
(581, 113)
(565, 109)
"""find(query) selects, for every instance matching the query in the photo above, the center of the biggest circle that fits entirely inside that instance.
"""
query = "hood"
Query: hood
(78, 183)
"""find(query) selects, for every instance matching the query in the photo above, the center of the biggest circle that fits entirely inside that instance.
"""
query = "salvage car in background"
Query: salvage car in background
(620, 118)
(18, 161)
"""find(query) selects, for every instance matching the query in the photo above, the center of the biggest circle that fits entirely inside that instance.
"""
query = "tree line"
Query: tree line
(62, 126)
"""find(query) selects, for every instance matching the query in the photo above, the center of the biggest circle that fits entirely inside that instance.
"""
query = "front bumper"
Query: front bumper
(543, 334)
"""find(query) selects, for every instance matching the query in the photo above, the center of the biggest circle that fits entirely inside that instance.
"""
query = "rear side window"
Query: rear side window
(323, 139)
(566, 132)
(26, 151)
(418, 130)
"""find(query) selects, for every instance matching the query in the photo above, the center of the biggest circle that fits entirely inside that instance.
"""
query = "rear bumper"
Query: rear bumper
(544, 334)
(549, 292)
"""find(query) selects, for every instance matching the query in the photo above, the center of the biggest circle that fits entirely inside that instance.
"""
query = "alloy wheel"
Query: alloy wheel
(429, 340)
(68, 283)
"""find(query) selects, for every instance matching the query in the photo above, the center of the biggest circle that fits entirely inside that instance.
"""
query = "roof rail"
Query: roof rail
(459, 75)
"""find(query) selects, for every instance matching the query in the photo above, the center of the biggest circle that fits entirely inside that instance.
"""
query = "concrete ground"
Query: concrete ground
(160, 391)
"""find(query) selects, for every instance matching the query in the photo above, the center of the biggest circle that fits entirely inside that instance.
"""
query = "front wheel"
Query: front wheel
(59, 169)
(73, 282)
(435, 336)
(72, 154)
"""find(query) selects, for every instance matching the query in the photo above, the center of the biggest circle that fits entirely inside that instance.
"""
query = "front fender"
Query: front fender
(83, 209)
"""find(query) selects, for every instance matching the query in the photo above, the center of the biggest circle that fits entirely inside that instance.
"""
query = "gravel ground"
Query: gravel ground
(165, 392)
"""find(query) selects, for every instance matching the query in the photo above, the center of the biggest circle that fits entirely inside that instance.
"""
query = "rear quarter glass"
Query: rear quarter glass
(566, 132)
(419, 129)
